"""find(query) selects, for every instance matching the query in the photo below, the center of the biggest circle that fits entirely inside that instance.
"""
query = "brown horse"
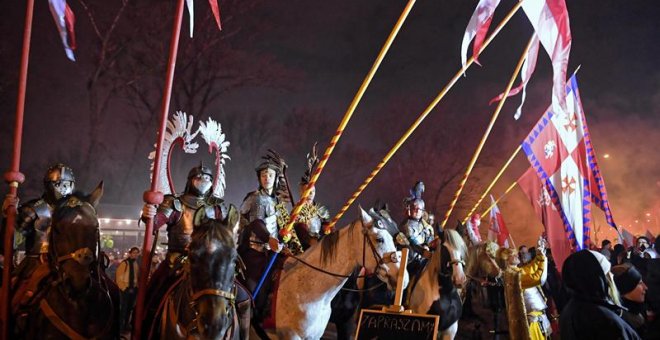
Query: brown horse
(200, 303)
(77, 300)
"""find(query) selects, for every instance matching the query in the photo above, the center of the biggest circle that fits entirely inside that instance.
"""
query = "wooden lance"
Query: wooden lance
(153, 196)
(14, 177)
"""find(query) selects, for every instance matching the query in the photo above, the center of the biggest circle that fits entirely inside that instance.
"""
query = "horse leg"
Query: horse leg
(244, 311)
(449, 333)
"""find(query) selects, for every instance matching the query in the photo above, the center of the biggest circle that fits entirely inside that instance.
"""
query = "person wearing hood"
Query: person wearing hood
(633, 290)
(593, 311)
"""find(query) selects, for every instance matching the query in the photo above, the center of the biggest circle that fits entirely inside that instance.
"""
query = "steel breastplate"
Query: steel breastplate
(262, 207)
(416, 232)
(178, 235)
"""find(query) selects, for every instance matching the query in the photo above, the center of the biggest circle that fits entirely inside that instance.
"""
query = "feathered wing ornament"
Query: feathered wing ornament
(213, 136)
(178, 130)
(312, 162)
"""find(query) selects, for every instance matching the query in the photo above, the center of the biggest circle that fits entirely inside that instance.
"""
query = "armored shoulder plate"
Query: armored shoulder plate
(41, 208)
(169, 205)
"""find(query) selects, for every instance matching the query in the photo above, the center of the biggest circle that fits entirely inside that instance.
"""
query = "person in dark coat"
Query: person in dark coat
(590, 312)
(633, 290)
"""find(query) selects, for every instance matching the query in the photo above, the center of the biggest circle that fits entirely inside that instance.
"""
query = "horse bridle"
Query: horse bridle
(389, 257)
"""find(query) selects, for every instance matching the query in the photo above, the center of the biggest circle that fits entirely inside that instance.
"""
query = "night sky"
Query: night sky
(282, 73)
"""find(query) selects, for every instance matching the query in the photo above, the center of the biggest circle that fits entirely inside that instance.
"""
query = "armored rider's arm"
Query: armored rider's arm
(168, 212)
(531, 274)
(25, 219)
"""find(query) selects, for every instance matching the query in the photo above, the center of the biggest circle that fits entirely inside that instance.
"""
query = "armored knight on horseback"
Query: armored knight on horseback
(33, 223)
(201, 200)
(415, 233)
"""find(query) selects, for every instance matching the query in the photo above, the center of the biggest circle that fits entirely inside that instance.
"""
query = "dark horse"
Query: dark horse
(76, 300)
(200, 303)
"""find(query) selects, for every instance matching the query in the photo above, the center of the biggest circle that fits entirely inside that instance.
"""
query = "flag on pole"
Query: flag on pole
(538, 196)
(215, 9)
(525, 75)
(64, 20)
(628, 238)
(478, 28)
(497, 232)
(550, 21)
(559, 149)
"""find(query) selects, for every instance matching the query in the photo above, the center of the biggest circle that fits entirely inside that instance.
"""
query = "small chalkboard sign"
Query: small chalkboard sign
(375, 324)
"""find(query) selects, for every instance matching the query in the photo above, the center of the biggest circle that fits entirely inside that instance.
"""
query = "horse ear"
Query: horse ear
(367, 220)
(233, 218)
(95, 196)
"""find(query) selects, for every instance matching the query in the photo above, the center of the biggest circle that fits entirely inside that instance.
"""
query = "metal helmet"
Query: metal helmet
(55, 182)
(201, 169)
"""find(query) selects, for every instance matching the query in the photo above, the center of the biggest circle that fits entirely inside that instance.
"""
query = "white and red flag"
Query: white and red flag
(628, 239)
(559, 149)
(538, 195)
(64, 20)
(215, 9)
(550, 21)
(552, 30)
(497, 231)
(477, 28)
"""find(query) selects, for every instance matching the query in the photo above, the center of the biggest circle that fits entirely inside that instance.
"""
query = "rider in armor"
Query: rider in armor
(33, 222)
(525, 301)
(415, 232)
(178, 212)
(259, 215)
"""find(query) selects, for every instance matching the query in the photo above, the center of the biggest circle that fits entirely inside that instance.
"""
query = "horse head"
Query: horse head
(481, 261)
(212, 257)
(73, 240)
(380, 253)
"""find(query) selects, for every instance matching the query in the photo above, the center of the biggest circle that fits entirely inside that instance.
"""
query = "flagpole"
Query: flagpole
(347, 117)
(480, 147)
(14, 177)
(153, 196)
(499, 198)
(422, 116)
(492, 184)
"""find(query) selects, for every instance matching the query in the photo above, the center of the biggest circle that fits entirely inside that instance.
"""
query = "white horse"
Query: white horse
(302, 306)
(435, 292)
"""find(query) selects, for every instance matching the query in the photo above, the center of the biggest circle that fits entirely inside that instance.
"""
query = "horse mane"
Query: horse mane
(329, 243)
(454, 240)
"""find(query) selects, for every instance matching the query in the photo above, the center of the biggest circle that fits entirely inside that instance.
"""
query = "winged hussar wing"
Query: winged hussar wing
(212, 134)
(178, 130)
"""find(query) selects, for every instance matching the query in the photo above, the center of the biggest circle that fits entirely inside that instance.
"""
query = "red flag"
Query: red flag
(497, 230)
(477, 28)
(650, 236)
(550, 21)
(540, 199)
(215, 8)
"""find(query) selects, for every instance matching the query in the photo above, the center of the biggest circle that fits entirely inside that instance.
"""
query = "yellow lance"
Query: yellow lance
(286, 232)
(422, 116)
(480, 147)
(492, 184)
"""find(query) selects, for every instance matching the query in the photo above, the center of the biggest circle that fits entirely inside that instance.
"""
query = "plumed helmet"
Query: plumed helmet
(59, 172)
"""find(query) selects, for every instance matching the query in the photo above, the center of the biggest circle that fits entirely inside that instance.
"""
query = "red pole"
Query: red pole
(14, 177)
(153, 196)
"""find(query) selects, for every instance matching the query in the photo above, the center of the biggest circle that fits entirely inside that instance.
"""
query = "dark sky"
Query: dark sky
(287, 71)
